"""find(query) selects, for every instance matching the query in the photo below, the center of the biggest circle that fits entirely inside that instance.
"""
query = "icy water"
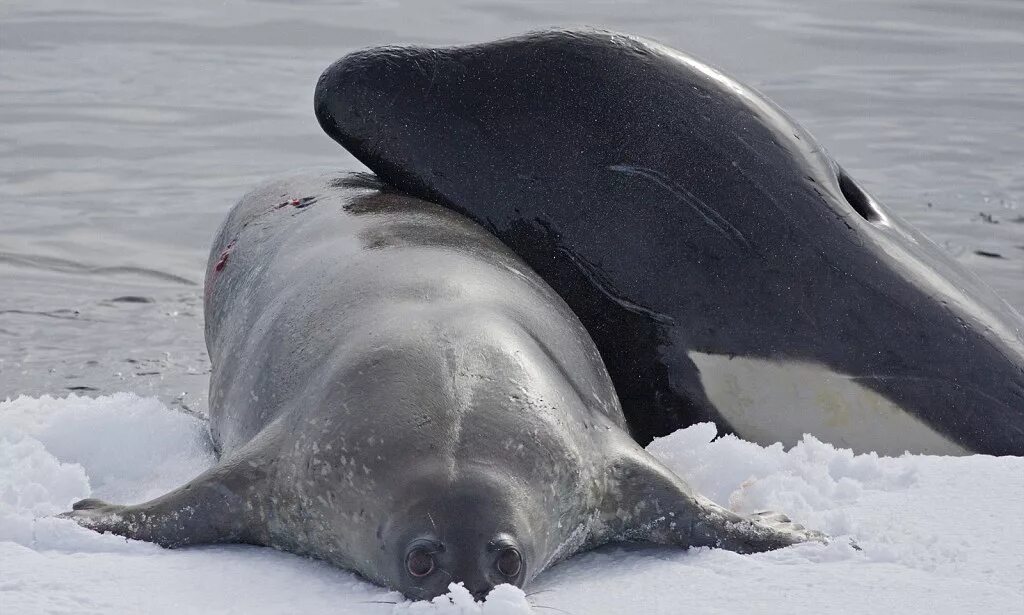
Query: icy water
(127, 130)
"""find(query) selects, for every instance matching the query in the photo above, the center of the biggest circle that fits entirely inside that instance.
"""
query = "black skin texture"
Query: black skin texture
(676, 210)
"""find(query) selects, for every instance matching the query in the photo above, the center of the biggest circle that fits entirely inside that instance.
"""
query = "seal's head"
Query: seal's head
(470, 471)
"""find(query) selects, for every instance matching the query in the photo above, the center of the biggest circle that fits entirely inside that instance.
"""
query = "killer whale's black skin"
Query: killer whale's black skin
(388, 380)
(677, 212)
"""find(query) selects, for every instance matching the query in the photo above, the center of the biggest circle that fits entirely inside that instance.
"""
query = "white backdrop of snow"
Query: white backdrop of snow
(938, 534)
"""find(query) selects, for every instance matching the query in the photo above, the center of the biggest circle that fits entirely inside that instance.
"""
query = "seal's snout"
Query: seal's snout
(475, 530)
(430, 566)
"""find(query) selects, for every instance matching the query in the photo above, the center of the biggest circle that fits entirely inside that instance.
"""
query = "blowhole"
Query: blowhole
(857, 199)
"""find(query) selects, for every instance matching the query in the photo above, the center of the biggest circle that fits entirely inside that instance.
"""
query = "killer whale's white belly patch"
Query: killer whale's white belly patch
(770, 401)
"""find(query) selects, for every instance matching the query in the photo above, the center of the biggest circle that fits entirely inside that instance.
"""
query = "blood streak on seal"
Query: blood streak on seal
(223, 260)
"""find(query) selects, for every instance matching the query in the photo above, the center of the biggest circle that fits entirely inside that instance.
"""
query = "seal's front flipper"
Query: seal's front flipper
(779, 522)
(217, 506)
(648, 503)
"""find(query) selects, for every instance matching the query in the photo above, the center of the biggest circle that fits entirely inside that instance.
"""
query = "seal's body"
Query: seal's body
(727, 268)
(394, 391)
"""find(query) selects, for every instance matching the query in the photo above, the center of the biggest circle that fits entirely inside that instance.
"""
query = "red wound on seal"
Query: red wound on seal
(217, 267)
(301, 203)
(223, 260)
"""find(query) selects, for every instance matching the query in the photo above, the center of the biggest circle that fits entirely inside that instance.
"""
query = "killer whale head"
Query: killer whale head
(682, 214)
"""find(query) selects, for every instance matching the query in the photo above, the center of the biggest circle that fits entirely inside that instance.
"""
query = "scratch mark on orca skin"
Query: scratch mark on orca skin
(433, 75)
(956, 384)
(594, 277)
(713, 218)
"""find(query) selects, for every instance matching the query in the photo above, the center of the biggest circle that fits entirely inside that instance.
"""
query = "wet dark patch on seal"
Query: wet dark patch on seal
(366, 181)
(411, 221)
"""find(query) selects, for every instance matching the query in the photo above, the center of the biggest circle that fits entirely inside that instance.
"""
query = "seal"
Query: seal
(727, 268)
(397, 393)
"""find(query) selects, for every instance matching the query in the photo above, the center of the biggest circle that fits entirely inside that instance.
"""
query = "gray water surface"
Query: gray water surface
(127, 130)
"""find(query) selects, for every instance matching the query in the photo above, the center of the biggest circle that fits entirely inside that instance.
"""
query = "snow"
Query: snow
(936, 534)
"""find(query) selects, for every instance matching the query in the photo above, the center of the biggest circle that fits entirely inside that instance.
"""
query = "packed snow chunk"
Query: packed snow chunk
(54, 452)
(33, 484)
(502, 600)
(812, 474)
(133, 449)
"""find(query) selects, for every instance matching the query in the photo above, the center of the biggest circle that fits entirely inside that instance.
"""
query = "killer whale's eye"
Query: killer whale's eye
(509, 562)
(419, 562)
